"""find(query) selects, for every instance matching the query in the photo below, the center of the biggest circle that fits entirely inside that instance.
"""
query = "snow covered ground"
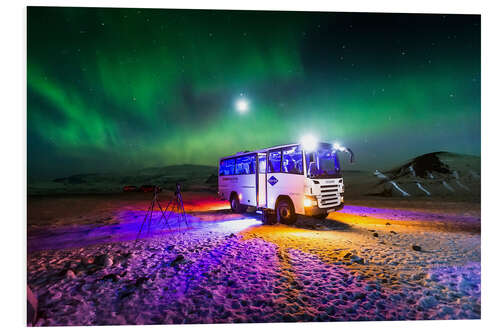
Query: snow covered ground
(374, 260)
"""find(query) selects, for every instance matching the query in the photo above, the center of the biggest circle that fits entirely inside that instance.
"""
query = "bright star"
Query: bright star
(242, 105)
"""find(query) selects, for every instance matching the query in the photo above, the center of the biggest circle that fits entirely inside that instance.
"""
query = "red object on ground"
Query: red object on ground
(130, 188)
(147, 188)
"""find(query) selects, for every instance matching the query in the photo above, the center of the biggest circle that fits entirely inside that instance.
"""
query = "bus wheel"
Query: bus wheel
(285, 212)
(236, 207)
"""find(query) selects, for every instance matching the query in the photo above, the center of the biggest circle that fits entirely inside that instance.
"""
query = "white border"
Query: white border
(13, 134)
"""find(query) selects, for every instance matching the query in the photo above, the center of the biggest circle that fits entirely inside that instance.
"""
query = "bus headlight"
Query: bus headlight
(310, 201)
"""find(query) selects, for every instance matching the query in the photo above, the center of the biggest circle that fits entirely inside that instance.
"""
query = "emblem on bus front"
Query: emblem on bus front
(273, 180)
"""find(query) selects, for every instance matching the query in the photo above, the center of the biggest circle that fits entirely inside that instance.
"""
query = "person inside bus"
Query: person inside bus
(252, 167)
(298, 165)
(289, 165)
(313, 169)
(274, 162)
(286, 163)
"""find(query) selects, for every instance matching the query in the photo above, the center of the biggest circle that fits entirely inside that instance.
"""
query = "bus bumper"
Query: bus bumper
(315, 210)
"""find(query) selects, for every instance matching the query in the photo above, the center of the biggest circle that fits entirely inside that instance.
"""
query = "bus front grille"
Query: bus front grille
(329, 187)
(329, 196)
(329, 200)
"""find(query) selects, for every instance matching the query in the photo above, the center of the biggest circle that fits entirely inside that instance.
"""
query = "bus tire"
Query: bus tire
(285, 211)
(236, 207)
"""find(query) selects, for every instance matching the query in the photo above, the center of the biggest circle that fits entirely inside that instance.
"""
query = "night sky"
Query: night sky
(122, 89)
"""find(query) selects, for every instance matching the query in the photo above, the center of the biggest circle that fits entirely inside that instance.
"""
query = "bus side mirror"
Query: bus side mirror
(351, 154)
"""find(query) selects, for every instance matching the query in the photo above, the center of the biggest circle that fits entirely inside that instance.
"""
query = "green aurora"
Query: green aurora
(122, 89)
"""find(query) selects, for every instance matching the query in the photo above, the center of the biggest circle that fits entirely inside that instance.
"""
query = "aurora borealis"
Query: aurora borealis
(122, 89)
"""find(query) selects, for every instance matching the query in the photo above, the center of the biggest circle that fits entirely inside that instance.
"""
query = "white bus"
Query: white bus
(283, 181)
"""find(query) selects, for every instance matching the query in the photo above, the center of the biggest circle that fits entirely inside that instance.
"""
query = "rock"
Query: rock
(84, 261)
(177, 261)
(427, 302)
(375, 234)
(128, 255)
(111, 277)
(70, 274)
(108, 262)
(416, 248)
(359, 295)
(102, 260)
(140, 281)
(32, 307)
(62, 273)
(357, 260)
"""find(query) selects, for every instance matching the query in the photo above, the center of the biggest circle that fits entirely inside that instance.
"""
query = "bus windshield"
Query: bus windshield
(323, 163)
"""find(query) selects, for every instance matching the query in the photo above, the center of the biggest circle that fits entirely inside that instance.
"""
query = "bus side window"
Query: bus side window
(252, 164)
(226, 167)
(292, 160)
(245, 165)
(312, 167)
(262, 164)
(240, 168)
(274, 161)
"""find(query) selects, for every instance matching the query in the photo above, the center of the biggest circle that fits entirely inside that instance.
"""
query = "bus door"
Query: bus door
(261, 181)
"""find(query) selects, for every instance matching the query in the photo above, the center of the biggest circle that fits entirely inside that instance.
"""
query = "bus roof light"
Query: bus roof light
(337, 146)
(309, 142)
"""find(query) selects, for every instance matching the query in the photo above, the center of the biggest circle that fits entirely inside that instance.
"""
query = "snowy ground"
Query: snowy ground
(374, 260)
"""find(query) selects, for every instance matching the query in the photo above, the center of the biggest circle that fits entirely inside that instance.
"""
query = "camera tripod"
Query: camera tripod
(176, 204)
